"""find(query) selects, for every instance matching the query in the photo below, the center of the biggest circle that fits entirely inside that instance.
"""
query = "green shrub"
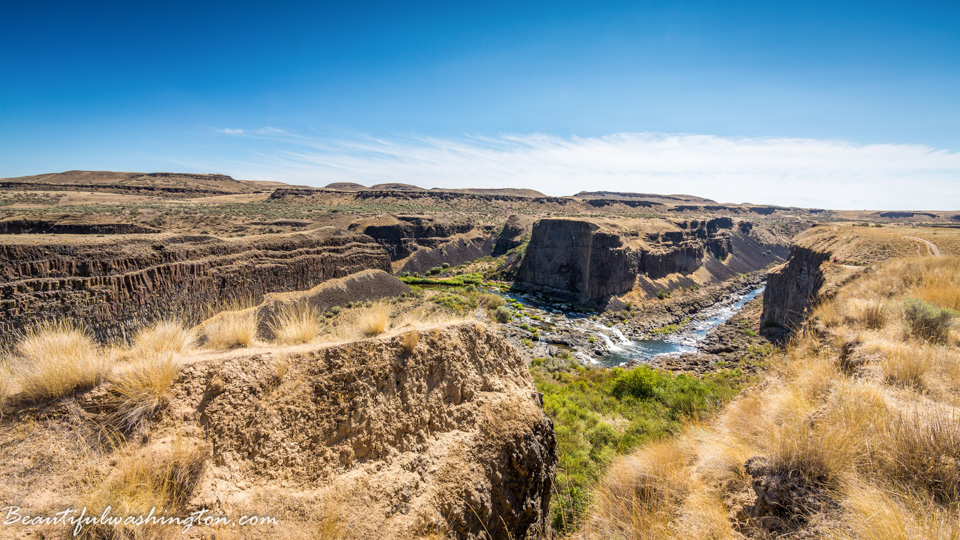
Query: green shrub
(640, 382)
(502, 314)
(445, 265)
(601, 413)
(927, 321)
(492, 301)
(663, 294)
(454, 302)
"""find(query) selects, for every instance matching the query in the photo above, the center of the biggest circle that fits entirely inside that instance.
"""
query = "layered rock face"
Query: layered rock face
(579, 257)
(418, 243)
(596, 259)
(113, 285)
(793, 288)
(447, 437)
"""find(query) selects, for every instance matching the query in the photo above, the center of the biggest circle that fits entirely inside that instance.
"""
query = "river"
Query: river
(557, 318)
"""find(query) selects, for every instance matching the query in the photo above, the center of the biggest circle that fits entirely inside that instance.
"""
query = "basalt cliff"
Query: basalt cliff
(114, 284)
(596, 259)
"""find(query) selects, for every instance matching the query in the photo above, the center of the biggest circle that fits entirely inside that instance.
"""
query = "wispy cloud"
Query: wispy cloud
(797, 172)
(228, 131)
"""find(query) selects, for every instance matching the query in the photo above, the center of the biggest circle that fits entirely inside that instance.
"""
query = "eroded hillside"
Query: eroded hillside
(425, 431)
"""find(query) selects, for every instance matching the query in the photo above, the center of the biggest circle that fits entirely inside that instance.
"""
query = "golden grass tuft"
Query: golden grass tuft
(164, 336)
(938, 283)
(5, 377)
(231, 329)
(924, 450)
(409, 341)
(902, 363)
(885, 513)
(374, 320)
(143, 481)
(55, 359)
(143, 383)
(870, 313)
(296, 323)
(637, 496)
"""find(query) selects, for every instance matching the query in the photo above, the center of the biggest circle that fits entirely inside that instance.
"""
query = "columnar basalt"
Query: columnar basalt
(114, 284)
(418, 243)
(596, 259)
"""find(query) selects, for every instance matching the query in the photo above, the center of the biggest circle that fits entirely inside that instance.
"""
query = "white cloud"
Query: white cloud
(228, 131)
(794, 172)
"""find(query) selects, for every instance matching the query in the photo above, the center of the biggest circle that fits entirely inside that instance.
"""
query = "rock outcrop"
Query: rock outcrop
(596, 259)
(515, 232)
(793, 287)
(113, 285)
(69, 225)
(418, 243)
(447, 437)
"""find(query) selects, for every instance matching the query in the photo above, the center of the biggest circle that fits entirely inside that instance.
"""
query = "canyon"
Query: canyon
(444, 420)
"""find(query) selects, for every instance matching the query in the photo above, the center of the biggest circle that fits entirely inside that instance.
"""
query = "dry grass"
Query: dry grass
(903, 363)
(142, 481)
(924, 450)
(638, 495)
(409, 341)
(164, 336)
(142, 385)
(870, 313)
(927, 321)
(5, 377)
(884, 513)
(372, 321)
(231, 329)
(938, 283)
(854, 433)
(55, 359)
(296, 323)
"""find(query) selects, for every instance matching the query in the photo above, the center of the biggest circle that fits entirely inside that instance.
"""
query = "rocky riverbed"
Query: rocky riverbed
(695, 330)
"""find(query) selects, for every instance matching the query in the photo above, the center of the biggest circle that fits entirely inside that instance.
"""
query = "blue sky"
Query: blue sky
(449, 94)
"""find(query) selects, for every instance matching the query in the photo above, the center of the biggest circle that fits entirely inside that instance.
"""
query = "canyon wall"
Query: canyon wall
(445, 438)
(419, 243)
(596, 259)
(793, 288)
(114, 284)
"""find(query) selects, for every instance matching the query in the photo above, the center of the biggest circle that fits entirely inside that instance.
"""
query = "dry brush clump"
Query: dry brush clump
(144, 480)
(927, 321)
(373, 321)
(164, 336)
(231, 329)
(853, 433)
(142, 384)
(409, 341)
(296, 323)
(56, 358)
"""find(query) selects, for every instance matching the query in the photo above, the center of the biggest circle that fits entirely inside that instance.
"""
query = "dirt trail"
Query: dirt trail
(932, 248)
